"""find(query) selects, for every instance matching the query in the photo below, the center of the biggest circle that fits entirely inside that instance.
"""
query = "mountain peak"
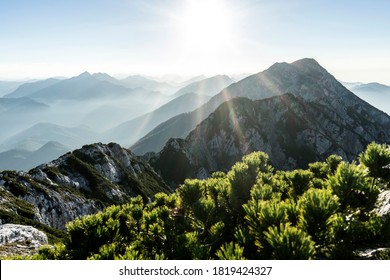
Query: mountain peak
(52, 145)
(309, 65)
(292, 129)
(304, 78)
(209, 86)
(84, 74)
(304, 65)
(100, 75)
(306, 61)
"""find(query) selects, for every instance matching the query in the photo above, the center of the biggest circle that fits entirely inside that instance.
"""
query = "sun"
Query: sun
(205, 25)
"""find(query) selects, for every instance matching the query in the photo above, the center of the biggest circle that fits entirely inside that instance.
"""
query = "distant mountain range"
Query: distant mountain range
(42, 143)
(32, 87)
(39, 134)
(16, 113)
(138, 81)
(77, 100)
(107, 109)
(83, 87)
(9, 86)
(18, 159)
(19, 105)
(210, 86)
(378, 95)
(22, 151)
(128, 132)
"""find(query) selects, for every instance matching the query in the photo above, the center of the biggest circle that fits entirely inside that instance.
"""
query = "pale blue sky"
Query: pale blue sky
(43, 38)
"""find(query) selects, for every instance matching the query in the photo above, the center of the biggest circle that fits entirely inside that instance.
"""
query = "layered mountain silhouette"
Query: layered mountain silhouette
(137, 81)
(128, 132)
(82, 87)
(15, 113)
(32, 87)
(210, 86)
(24, 159)
(9, 86)
(18, 105)
(107, 108)
(38, 135)
(376, 94)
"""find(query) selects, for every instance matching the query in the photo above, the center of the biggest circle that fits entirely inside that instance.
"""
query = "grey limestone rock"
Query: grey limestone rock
(12, 233)
(384, 203)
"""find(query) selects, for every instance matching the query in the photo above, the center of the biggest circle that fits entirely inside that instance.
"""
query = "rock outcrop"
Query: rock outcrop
(20, 240)
(10, 233)
(384, 203)
(79, 183)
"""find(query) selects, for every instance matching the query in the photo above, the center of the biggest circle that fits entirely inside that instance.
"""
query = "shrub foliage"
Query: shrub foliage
(250, 212)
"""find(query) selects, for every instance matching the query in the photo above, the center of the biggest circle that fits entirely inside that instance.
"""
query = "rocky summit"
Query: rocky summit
(316, 117)
(79, 183)
(304, 78)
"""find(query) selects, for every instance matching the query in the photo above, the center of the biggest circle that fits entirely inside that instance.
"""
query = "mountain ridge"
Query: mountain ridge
(24, 160)
(351, 124)
(28, 88)
(305, 78)
(374, 93)
(43, 132)
(209, 86)
(78, 183)
(290, 129)
(82, 87)
(128, 132)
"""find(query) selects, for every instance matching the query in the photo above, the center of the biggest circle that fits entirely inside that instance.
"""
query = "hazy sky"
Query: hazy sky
(44, 38)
